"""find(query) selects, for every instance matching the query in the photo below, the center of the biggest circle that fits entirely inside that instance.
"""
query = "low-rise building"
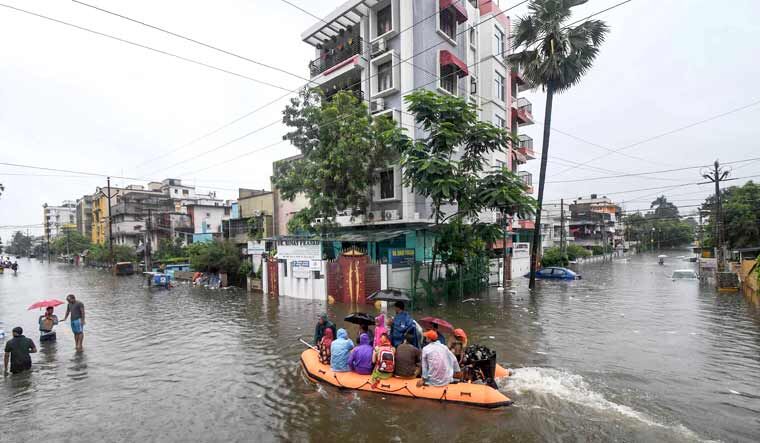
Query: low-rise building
(552, 225)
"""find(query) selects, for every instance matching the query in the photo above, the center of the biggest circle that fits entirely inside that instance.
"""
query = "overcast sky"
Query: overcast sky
(73, 100)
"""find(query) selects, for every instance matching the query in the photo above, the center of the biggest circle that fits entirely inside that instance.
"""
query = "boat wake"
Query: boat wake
(573, 388)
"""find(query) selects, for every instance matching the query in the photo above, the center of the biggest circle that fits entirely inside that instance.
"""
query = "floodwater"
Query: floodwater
(625, 354)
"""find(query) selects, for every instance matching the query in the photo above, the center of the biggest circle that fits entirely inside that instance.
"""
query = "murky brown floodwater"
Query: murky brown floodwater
(624, 354)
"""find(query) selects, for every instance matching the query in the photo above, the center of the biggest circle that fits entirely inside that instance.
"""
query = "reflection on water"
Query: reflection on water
(624, 354)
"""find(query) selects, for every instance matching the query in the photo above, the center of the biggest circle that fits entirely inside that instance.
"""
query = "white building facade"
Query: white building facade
(383, 50)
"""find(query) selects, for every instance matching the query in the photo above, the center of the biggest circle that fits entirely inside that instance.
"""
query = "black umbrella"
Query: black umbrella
(360, 318)
(389, 295)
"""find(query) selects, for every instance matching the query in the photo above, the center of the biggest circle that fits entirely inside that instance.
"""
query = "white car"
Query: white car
(684, 274)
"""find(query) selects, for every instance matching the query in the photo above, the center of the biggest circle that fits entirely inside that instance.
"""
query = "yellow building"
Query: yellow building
(100, 214)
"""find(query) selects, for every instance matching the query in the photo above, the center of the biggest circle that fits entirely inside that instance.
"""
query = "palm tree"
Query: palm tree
(554, 57)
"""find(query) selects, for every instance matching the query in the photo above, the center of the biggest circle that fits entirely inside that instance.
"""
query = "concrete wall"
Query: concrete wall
(263, 203)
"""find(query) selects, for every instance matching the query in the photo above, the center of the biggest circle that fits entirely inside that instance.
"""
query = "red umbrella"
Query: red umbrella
(46, 303)
(443, 325)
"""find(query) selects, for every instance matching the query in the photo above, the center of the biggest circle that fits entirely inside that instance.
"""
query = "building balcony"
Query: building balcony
(525, 146)
(527, 179)
(517, 77)
(522, 111)
(337, 56)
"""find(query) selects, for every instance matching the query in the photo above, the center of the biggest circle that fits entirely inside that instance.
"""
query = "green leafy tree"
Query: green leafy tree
(343, 148)
(448, 166)
(741, 216)
(20, 244)
(555, 56)
(169, 249)
(214, 256)
(663, 208)
(70, 242)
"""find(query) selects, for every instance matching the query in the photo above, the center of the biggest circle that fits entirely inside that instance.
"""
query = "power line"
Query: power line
(645, 173)
(670, 132)
(149, 48)
(426, 84)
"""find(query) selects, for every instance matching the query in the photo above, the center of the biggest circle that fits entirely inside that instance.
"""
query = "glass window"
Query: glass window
(498, 86)
(473, 36)
(500, 164)
(449, 79)
(384, 20)
(498, 44)
(499, 121)
(384, 76)
(448, 23)
(386, 184)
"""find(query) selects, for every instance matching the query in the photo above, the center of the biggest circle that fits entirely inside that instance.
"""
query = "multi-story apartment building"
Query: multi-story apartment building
(382, 50)
(100, 220)
(596, 221)
(84, 215)
(138, 215)
(56, 218)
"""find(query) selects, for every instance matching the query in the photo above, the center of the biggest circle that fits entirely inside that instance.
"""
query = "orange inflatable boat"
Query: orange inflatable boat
(464, 393)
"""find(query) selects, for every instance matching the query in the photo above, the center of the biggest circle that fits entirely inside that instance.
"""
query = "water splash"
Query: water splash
(573, 388)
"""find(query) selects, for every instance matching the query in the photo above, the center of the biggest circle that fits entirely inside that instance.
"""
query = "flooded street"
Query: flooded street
(624, 354)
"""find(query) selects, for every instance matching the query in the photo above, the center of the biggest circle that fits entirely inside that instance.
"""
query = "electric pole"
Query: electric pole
(110, 230)
(562, 251)
(716, 176)
(148, 227)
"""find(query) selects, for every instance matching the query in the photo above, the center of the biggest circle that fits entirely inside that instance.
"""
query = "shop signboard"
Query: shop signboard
(401, 257)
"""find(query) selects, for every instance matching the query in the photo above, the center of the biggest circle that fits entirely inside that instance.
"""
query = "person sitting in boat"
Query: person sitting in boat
(47, 323)
(324, 347)
(459, 344)
(402, 323)
(322, 324)
(438, 363)
(340, 349)
(360, 360)
(363, 329)
(407, 359)
(380, 329)
(384, 360)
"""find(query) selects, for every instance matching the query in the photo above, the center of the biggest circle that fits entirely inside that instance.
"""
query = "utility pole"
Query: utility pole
(110, 230)
(716, 176)
(562, 249)
(148, 227)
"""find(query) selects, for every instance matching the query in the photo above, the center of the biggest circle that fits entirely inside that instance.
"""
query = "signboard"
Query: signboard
(299, 250)
(256, 248)
(304, 268)
(401, 258)
(520, 249)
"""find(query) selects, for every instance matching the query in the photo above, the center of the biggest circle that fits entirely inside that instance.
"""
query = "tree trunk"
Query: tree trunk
(541, 180)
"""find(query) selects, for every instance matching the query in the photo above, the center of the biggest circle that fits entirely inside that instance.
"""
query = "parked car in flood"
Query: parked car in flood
(555, 273)
(685, 274)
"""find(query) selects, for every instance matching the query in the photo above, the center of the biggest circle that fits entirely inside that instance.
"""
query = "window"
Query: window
(185, 192)
(384, 20)
(448, 23)
(473, 85)
(208, 214)
(449, 79)
(385, 76)
(498, 86)
(499, 121)
(500, 164)
(498, 43)
(175, 191)
(386, 184)
(473, 36)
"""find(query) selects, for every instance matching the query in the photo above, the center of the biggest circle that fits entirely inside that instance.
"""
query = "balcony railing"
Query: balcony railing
(525, 146)
(523, 110)
(525, 105)
(355, 92)
(526, 178)
(334, 56)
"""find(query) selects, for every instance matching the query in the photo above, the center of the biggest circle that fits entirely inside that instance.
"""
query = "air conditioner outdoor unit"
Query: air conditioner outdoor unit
(374, 216)
(378, 47)
(378, 105)
(390, 214)
(318, 220)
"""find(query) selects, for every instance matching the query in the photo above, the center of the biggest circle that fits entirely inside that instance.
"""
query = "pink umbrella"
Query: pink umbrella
(45, 303)
(443, 325)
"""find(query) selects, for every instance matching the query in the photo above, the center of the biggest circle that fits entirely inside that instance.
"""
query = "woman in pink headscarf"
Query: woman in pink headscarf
(380, 329)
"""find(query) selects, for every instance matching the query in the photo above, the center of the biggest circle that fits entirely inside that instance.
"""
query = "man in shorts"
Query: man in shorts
(76, 309)
(18, 350)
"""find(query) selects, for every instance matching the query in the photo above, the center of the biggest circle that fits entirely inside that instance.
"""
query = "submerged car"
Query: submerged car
(684, 274)
(556, 273)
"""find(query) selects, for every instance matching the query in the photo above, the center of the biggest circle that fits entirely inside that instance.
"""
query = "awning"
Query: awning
(447, 58)
(460, 10)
